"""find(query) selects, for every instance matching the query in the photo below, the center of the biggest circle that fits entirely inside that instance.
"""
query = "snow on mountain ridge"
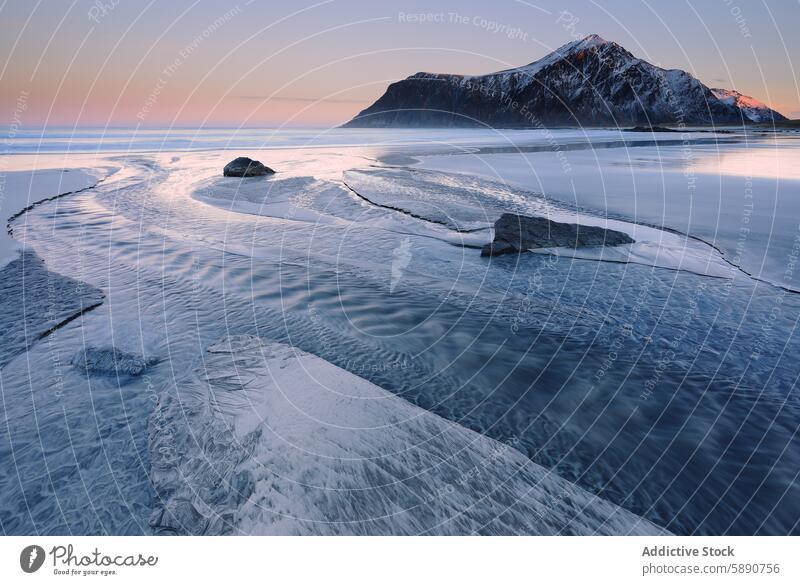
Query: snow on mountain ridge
(755, 110)
(587, 43)
(589, 81)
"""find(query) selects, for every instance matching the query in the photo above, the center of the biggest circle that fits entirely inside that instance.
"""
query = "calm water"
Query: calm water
(671, 394)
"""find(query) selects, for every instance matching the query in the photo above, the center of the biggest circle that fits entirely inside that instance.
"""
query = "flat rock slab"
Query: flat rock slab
(34, 302)
(517, 233)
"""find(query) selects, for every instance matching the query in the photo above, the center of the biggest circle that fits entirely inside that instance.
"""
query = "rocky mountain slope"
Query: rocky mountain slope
(753, 109)
(586, 82)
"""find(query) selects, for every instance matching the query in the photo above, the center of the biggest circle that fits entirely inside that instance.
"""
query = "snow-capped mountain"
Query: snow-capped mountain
(586, 82)
(753, 109)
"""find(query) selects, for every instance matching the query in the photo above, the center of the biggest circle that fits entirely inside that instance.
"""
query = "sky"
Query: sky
(263, 63)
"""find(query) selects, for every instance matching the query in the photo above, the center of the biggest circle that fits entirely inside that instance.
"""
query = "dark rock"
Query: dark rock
(496, 248)
(34, 302)
(111, 361)
(246, 167)
(517, 233)
(651, 129)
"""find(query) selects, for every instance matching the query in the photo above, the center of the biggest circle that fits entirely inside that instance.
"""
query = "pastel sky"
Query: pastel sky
(317, 63)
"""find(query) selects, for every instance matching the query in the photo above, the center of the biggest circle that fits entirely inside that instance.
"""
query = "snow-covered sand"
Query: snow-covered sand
(34, 300)
(267, 439)
(456, 208)
(317, 201)
(471, 193)
(741, 198)
(21, 189)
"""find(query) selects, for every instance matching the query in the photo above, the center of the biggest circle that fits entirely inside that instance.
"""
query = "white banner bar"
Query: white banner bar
(401, 560)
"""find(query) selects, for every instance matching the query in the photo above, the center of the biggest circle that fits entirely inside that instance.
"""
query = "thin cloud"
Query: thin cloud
(300, 99)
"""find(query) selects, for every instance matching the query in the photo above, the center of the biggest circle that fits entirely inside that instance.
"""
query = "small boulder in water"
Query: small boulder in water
(111, 361)
(517, 233)
(246, 167)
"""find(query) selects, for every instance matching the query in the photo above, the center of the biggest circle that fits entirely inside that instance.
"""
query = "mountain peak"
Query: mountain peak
(588, 42)
(593, 40)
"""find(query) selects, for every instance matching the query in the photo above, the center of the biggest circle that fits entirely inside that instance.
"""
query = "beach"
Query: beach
(639, 388)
